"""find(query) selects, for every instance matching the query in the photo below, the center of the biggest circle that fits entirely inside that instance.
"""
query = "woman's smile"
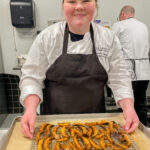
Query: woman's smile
(79, 15)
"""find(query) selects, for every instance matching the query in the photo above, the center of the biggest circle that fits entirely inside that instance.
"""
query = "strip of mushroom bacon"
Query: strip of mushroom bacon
(41, 130)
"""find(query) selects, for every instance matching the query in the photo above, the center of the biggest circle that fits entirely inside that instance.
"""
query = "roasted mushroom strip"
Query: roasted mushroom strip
(111, 126)
(78, 124)
(108, 135)
(43, 126)
(62, 139)
(86, 142)
(94, 144)
(47, 142)
(38, 137)
(89, 131)
(99, 136)
(102, 143)
(90, 123)
(72, 146)
(40, 144)
(63, 131)
(81, 126)
(102, 122)
(84, 131)
(57, 146)
(113, 147)
(67, 124)
(66, 147)
(77, 132)
(78, 145)
(127, 139)
(95, 132)
(54, 132)
(48, 129)
(41, 131)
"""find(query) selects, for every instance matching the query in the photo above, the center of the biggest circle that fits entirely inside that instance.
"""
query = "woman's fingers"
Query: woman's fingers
(27, 124)
(26, 130)
(132, 121)
(132, 127)
(31, 125)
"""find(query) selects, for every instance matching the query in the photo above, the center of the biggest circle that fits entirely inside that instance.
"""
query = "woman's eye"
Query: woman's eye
(71, 1)
(86, 0)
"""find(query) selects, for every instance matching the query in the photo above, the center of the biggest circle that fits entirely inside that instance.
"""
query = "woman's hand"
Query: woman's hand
(27, 123)
(29, 117)
(132, 120)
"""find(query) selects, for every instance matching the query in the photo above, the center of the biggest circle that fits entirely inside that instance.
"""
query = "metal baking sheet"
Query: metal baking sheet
(9, 133)
(47, 118)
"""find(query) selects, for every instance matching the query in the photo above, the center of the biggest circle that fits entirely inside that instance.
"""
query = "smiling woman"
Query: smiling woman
(74, 59)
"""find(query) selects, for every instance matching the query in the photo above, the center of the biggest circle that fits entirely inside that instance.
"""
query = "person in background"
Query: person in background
(134, 39)
(73, 60)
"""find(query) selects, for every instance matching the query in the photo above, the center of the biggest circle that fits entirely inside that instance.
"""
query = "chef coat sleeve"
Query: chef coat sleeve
(116, 28)
(33, 71)
(119, 79)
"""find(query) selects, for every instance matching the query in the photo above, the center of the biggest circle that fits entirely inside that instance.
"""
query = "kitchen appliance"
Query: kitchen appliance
(22, 13)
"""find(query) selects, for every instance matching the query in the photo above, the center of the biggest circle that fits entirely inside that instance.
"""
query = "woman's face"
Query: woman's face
(79, 14)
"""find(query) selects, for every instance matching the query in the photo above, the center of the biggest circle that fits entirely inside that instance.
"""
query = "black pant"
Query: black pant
(139, 89)
(109, 92)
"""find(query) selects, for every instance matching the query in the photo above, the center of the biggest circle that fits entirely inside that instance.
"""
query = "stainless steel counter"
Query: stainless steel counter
(3, 134)
(8, 120)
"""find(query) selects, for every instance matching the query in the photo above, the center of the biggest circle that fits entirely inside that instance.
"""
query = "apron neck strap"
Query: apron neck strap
(92, 38)
(66, 35)
(65, 40)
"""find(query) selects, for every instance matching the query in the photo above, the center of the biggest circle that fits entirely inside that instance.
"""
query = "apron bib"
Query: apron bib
(74, 83)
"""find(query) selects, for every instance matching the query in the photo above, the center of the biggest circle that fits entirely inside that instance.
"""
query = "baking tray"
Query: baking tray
(65, 117)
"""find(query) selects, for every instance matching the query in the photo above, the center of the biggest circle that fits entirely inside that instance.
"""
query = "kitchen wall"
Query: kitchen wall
(1, 60)
(16, 41)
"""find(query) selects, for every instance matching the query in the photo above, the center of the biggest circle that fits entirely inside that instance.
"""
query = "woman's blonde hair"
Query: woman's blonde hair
(95, 0)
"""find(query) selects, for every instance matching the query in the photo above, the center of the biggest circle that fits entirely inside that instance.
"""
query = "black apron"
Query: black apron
(74, 83)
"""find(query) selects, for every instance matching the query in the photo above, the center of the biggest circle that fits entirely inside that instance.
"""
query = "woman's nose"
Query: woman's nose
(79, 5)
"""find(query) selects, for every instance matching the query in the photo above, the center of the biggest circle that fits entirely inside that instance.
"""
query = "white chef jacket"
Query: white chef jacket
(48, 45)
(134, 39)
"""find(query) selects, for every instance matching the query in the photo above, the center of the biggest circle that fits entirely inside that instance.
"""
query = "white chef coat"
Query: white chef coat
(48, 45)
(134, 39)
